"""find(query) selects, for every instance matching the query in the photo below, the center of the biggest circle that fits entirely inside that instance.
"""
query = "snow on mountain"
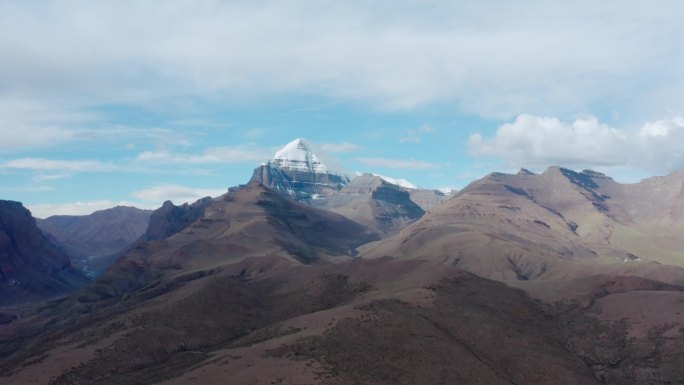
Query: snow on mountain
(302, 155)
(399, 182)
(303, 172)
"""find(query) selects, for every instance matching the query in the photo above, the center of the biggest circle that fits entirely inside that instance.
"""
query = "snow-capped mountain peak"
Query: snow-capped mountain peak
(302, 155)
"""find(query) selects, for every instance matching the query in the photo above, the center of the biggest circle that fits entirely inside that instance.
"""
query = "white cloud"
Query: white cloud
(80, 207)
(26, 123)
(660, 145)
(176, 193)
(541, 141)
(339, 147)
(493, 58)
(226, 154)
(53, 176)
(150, 198)
(397, 163)
(399, 182)
(41, 164)
(426, 129)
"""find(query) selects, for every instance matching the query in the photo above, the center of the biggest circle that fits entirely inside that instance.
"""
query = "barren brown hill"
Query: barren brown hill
(266, 320)
(249, 221)
(31, 267)
(263, 290)
(556, 224)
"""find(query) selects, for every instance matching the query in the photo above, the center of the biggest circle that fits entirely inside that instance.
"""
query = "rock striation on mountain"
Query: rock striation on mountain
(376, 203)
(300, 173)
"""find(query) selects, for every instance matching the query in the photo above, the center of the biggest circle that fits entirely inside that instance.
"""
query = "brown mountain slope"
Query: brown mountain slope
(170, 219)
(31, 267)
(265, 320)
(249, 221)
(535, 226)
(228, 300)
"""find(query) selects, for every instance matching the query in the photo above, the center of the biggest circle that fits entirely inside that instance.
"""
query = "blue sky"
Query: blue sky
(136, 102)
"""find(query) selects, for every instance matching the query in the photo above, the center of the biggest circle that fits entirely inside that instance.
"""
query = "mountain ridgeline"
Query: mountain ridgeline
(307, 276)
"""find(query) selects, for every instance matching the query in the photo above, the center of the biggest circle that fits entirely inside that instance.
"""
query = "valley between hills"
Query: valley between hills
(309, 275)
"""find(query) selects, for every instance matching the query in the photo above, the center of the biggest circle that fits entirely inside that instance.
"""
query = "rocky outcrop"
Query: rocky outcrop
(302, 186)
(170, 219)
(374, 202)
(426, 199)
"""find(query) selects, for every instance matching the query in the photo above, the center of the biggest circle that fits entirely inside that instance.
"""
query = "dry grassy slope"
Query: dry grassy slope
(228, 300)
(556, 225)
(265, 320)
(644, 219)
(491, 230)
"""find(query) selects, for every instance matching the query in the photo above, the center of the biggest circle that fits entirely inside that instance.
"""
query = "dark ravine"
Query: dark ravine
(31, 267)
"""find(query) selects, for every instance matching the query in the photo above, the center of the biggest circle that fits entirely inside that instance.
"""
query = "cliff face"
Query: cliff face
(427, 199)
(302, 186)
(375, 203)
(170, 219)
(296, 171)
(31, 267)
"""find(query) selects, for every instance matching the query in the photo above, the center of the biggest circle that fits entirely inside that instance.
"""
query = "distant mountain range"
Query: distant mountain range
(99, 234)
(305, 275)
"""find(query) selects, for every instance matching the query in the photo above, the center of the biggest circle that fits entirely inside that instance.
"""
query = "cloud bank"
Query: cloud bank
(491, 58)
(531, 141)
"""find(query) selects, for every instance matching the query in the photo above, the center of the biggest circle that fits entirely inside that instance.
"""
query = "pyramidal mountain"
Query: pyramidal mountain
(302, 174)
(306, 174)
